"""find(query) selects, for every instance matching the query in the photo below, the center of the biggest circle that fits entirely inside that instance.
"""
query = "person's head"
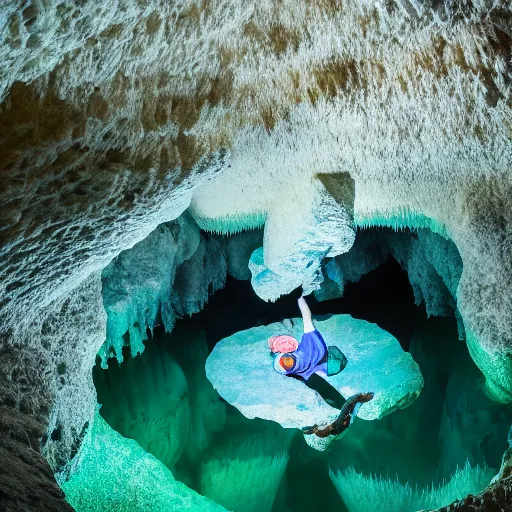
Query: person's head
(282, 343)
(284, 362)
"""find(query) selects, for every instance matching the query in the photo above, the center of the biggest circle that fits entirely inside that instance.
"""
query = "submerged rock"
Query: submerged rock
(163, 400)
(115, 473)
(241, 370)
(246, 466)
(147, 399)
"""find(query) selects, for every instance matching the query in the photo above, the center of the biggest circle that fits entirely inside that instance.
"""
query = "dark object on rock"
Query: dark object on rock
(496, 498)
(336, 360)
(344, 420)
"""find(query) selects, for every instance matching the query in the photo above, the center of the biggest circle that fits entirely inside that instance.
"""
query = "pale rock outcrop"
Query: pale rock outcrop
(137, 285)
(115, 473)
(302, 227)
(241, 369)
(64, 340)
(267, 284)
(169, 274)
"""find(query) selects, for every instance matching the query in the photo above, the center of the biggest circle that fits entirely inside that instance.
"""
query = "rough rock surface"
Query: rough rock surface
(267, 284)
(137, 285)
(432, 262)
(316, 226)
(199, 277)
(22, 424)
(241, 369)
(169, 274)
(115, 473)
(113, 113)
(319, 225)
(496, 498)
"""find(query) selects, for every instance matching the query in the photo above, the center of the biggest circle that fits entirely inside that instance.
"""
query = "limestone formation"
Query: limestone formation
(115, 473)
(166, 276)
(146, 399)
(495, 497)
(241, 370)
(116, 117)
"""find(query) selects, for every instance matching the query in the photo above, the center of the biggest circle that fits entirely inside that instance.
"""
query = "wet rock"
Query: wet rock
(115, 473)
(241, 369)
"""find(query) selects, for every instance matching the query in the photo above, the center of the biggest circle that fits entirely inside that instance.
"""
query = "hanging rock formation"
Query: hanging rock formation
(167, 275)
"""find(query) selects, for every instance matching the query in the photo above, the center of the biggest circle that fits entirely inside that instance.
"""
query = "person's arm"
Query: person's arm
(306, 315)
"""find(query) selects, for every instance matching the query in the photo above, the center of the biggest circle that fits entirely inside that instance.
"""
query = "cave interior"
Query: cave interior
(447, 444)
(174, 173)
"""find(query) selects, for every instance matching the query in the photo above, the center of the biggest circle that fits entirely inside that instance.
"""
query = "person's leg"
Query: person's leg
(329, 393)
(344, 420)
(349, 411)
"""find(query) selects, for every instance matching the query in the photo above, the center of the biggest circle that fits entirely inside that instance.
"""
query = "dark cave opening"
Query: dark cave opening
(383, 296)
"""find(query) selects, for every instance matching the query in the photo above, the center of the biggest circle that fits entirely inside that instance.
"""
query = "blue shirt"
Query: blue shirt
(310, 356)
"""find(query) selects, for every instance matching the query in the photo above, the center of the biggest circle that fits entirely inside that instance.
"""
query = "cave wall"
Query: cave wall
(25, 405)
(468, 417)
(115, 117)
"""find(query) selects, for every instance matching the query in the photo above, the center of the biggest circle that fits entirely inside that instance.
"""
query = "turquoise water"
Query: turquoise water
(163, 401)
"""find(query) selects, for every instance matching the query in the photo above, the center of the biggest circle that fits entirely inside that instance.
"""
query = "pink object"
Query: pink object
(282, 343)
